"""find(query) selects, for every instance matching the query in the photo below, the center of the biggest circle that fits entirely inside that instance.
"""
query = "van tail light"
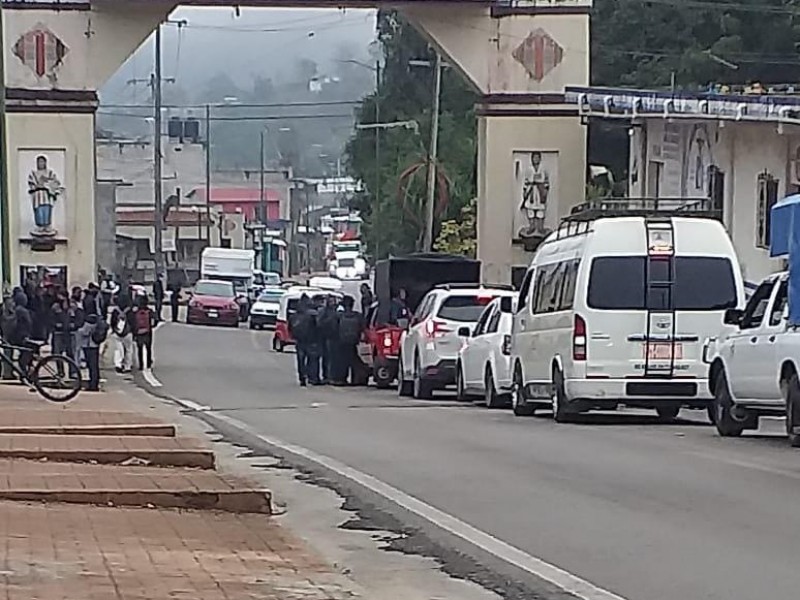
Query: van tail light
(434, 328)
(506, 348)
(579, 339)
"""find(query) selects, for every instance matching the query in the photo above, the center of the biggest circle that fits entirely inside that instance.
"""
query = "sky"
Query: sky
(265, 42)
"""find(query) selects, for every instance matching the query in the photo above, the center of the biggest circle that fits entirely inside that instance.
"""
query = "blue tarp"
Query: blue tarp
(785, 241)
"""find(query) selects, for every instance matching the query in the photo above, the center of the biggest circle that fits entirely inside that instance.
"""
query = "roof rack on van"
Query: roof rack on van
(644, 207)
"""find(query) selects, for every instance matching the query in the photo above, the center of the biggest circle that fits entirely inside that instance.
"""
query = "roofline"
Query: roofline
(633, 104)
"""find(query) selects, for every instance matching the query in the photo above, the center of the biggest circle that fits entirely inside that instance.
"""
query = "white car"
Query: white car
(264, 311)
(484, 361)
(350, 268)
(429, 348)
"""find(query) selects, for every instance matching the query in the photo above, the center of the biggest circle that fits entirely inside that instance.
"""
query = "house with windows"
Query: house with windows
(740, 151)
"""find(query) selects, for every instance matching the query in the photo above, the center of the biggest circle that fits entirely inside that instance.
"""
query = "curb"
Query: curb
(200, 459)
(150, 430)
(233, 501)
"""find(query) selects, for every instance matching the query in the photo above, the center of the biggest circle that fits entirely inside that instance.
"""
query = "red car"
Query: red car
(213, 303)
(380, 348)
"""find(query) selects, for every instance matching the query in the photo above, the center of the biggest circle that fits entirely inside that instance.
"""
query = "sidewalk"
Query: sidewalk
(112, 532)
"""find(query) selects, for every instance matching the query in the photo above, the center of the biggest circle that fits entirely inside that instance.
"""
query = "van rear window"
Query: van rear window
(466, 309)
(701, 283)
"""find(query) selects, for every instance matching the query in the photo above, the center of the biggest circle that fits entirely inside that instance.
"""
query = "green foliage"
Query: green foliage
(460, 236)
(391, 223)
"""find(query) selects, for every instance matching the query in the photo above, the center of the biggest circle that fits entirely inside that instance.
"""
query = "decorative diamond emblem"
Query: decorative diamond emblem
(539, 54)
(41, 51)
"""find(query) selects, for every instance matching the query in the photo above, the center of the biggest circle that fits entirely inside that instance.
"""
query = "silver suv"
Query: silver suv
(429, 347)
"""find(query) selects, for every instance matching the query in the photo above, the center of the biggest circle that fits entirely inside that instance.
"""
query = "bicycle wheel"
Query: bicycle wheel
(57, 378)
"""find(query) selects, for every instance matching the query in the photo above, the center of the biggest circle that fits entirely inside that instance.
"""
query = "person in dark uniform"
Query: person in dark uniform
(158, 296)
(351, 326)
(174, 299)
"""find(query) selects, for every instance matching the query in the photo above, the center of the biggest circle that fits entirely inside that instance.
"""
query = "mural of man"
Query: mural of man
(535, 189)
(44, 189)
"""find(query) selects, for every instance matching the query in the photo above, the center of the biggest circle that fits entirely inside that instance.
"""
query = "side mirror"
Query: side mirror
(733, 316)
(464, 332)
(506, 304)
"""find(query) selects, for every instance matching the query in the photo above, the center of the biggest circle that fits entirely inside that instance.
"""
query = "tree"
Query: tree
(405, 94)
(460, 236)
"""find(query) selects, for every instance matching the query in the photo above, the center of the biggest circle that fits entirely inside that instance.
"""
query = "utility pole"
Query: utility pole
(430, 207)
(5, 231)
(208, 175)
(157, 180)
(377, 156)
(262, 205)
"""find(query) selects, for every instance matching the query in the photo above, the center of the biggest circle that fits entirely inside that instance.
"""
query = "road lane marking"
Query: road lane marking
(555, 575)
(151, 379)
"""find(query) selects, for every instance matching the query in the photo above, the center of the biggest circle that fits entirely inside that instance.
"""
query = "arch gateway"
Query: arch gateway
(519, 55)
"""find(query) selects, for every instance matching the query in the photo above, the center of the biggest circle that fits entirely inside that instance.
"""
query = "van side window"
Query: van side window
(548, 288)
(757, 306)
(525, 290)
(570, 281)
(480, 327)
(423, 309)
(494, 321)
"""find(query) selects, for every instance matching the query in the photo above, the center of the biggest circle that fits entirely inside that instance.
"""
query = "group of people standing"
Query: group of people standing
(326, 332)
(75, 322)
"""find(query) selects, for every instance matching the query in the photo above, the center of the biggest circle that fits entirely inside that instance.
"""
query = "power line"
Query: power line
(731, 6)
(252, 105)
(243, 118)
(751, 58)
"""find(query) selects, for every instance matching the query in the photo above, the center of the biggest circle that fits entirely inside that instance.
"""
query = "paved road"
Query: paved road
(647, 511)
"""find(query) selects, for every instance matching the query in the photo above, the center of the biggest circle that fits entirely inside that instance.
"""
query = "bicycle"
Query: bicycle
(48, 375)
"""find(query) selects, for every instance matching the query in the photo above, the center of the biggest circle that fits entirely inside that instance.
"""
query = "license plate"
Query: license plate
(213, 313)
(662, 351)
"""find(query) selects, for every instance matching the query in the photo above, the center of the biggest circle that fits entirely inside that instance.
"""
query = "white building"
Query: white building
(740, 152)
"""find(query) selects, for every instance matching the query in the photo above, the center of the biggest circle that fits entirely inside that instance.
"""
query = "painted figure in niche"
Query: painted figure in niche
(535, 189)
(44, 189)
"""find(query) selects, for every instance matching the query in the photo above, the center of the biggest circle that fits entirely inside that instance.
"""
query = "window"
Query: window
(347, 262)
(524, 291)
(548, 288)
(767, 190)
(466, 309)
(424, 308)
(776, 314)
(220, 289)
(568, 289)
(494, 321)
(757, 306)
(271, 296)
(700, 283)
(480, 327)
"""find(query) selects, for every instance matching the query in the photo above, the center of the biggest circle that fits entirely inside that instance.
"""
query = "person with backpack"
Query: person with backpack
(122, 325)
(350, 329)
(328, 324)
(304, 330)
(94, 333)
(144, 321)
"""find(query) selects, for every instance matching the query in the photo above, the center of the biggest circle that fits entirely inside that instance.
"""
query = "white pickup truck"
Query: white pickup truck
(754, 369)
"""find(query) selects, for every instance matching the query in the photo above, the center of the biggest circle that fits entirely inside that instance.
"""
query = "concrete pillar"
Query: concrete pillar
(55, 61)
(519, 58)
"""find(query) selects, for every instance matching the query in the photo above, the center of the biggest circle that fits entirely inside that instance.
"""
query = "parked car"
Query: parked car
(753, 368)
(484, 361)
(213, 302)
(429, 348)
(264, 311)
(614, 310)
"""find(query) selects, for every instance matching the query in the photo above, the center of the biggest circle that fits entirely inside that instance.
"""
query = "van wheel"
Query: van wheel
(404, 388)
(725, 420)
(712, 415)
(668, 412)
(562, 412)
(519, 403)
(423, 390)
(277, 344)
(461, 392)
(491, 397)
(791, 393)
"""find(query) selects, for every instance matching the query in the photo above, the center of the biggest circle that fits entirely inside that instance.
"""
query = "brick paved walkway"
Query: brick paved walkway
(63, 552)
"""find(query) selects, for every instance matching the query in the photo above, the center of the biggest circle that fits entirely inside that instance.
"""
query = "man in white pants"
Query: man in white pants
(122, 327)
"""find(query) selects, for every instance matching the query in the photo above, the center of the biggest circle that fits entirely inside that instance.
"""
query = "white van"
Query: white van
(616, 310)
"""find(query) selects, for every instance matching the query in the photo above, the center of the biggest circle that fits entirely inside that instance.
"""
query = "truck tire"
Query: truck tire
(562, 411)
(726, 422)
(423, 390)
(404, 388)
(382, 375)
(791, 393)
(519, 403)
(668, 412)
(461, 390)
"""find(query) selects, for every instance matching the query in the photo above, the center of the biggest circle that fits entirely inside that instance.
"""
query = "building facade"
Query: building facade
(739, 152)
